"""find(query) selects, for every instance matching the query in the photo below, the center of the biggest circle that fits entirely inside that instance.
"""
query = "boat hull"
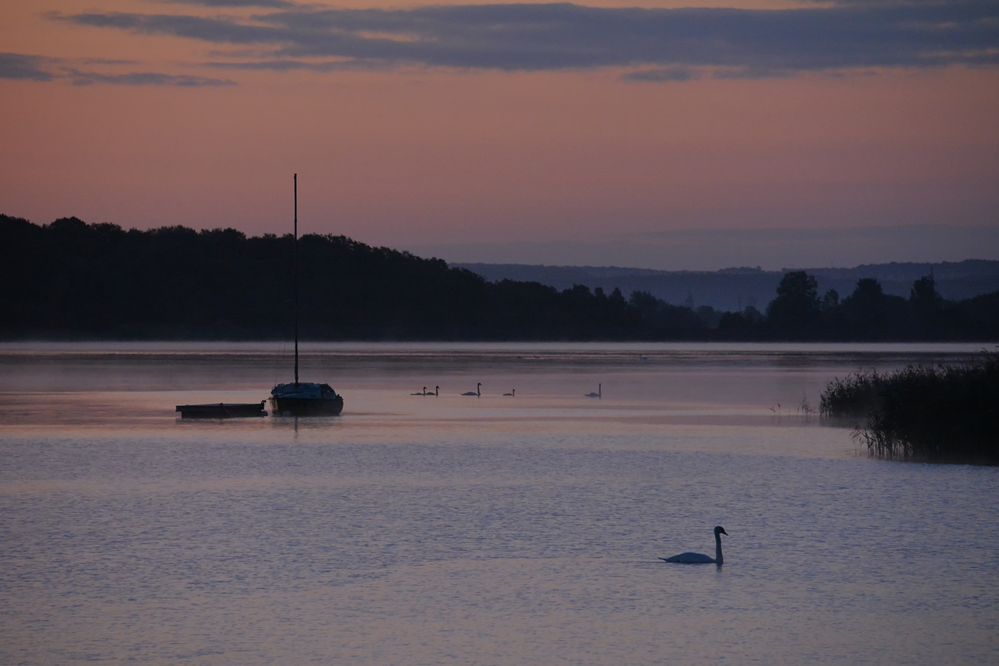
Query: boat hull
(307, 406)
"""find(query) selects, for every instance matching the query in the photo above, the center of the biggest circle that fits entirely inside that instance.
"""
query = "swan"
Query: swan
(512, 393)
(700, 558)
(598, 394)
(436, 393)
(423, 392)
(476, 393)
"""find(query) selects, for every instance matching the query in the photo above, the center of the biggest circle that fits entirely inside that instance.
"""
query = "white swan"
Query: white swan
(598, 394)
(700, 558)
(512, 393)
(476, 393)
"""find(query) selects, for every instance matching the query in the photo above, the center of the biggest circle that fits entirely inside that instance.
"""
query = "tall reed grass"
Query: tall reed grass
(930, 414)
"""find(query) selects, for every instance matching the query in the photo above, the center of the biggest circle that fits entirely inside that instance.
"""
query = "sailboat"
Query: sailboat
(303, 398)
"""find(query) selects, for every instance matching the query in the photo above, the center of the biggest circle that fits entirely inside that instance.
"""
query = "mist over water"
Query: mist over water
(501, 530)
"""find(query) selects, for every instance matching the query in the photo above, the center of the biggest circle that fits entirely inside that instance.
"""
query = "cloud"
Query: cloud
(26, 67)
(147, 79)
(291, 65)
(229, 4)
(216, 30)
(663, 75)
(662, 44)
(39, 68)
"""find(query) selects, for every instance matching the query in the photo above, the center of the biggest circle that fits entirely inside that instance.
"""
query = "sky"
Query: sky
(658, 134)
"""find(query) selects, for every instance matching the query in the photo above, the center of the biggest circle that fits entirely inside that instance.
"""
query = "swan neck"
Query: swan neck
(718, 551)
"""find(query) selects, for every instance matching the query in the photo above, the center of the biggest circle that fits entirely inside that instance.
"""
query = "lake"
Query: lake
(478, 530)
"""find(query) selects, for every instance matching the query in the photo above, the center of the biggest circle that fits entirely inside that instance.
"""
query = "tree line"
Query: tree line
(70, 279)
(799, 312)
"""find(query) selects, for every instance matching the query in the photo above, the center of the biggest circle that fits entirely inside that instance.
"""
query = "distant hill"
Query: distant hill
(733, 289)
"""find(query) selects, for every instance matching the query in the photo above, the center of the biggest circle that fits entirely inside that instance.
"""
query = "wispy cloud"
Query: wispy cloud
(39, 68)
(293, 64)
(216, 30)
(664, 75)
(146, 79)
(228, 4)
(27, 67)
(662, 44)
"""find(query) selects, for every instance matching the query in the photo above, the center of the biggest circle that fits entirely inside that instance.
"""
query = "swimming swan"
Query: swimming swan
(423, 392)
(476, 393)
(700, 558)
(598, 394)
(436, 392)
(511, 394)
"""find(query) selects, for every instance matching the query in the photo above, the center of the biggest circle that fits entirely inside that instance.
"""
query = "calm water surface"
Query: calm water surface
(492, 530)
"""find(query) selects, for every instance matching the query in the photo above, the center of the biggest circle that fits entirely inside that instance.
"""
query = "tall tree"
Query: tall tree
(926, 305)
(794, 313)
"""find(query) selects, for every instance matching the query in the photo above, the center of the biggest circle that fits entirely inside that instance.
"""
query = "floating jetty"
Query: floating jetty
(222, 410)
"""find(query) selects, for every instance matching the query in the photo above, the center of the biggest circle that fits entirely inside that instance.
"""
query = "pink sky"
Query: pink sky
(693, 143)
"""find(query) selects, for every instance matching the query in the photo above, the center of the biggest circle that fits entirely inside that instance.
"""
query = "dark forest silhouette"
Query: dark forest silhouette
(70, 279)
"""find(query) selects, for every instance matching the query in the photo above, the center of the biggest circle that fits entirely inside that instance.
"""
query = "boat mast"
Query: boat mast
(295, 262)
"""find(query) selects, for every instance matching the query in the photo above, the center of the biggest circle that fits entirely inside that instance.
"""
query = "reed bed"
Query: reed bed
(920, 413)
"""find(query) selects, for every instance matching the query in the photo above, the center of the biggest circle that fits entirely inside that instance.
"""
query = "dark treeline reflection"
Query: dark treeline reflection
(71, 279)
